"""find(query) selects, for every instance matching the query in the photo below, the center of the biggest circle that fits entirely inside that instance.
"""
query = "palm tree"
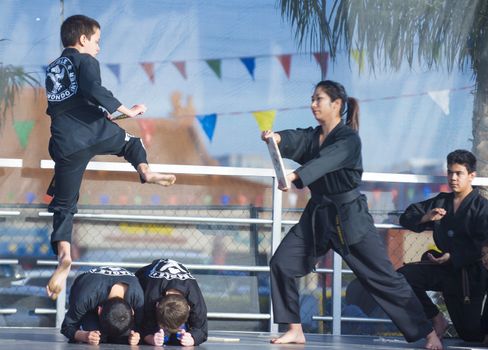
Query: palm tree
(437, 33)
(12, 78)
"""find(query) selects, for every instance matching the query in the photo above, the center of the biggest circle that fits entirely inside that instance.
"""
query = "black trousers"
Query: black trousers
(367, 259)
(68, 174)
(466, 317)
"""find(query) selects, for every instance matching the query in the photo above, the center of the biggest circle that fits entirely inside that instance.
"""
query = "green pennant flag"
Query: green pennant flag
(23, 129)
(215, 66)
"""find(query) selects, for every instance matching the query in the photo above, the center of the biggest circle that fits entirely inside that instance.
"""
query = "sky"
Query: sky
(400, 122)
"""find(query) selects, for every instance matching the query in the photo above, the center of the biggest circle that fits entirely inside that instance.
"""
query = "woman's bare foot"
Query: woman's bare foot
(440, 324)
(155, 178)
(433, 342)
(58, 279)
(294, 335)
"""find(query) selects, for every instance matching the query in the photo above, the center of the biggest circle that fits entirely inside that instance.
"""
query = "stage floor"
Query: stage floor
(51, 339)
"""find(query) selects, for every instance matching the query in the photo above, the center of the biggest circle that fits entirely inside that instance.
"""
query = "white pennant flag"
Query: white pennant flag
(441, 98)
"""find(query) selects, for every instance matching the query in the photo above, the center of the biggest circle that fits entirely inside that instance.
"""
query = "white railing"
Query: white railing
(276, 222)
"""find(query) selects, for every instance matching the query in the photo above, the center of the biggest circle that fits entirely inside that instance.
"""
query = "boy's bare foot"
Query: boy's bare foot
(159, 179)
(440, 324)
(58, 279)
(155, 178)
(433, 342)
(293, 336)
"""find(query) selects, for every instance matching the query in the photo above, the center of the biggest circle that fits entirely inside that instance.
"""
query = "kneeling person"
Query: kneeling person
(174, 308)
(105, 305)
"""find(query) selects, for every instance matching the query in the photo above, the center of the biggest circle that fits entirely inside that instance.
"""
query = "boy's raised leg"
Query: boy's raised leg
(155, 178)
(58, 280)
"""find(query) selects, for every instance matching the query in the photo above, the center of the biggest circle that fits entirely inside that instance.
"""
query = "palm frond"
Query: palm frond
(392, 32)
(12, 79)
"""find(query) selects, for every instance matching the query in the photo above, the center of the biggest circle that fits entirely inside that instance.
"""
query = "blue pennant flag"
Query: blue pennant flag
(250, 63)
(115, 68)
(208, 122)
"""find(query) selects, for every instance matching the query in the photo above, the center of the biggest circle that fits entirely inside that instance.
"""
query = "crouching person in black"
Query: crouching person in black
(105, 306)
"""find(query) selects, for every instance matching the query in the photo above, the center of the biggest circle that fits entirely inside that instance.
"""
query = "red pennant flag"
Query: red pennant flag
(322, 59)
(149, 69)
(285, 61)
(181, 66)
(147, 128)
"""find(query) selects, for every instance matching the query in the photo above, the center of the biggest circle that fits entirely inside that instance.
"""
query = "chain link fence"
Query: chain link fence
(144, 236)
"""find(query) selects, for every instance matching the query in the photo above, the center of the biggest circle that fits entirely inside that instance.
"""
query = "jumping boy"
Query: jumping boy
(174, 309)
(80, 130)
(105, 305)
(459, 221)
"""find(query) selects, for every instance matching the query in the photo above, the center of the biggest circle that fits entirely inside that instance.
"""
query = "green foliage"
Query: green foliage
(12, 79)
(438, 33)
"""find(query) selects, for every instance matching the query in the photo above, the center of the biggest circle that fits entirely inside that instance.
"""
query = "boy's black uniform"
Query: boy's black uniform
(79, 131)
(462, 279)
(164, 274)
(90, 290)
(337, 217)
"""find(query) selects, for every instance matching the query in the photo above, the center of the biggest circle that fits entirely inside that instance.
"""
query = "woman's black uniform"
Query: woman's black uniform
(462, 280)
(337, 216)
(80, 130)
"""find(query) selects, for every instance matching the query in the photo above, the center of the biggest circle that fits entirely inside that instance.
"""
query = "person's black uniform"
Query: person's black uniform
(337, 217)
(90, 290)
(162, 275)
(79, 131)
(462, 280)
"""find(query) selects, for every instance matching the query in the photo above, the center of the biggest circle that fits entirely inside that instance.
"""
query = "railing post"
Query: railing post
(275, 238)
(60, 307)
(336, 294)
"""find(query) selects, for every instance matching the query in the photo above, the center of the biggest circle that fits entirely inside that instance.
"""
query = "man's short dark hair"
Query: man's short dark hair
(462, 157)
(75, 26)
(172, 311)
(116, 317)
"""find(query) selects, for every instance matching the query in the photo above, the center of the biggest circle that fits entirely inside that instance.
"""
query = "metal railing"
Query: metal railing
(276, 221)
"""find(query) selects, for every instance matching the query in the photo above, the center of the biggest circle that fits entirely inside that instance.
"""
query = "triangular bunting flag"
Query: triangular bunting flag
(441, 97)
(149, 69)
(322, 59)
(265, 119)
(115, 69)
(250, 63)
(285, 61)
(208, 124)
(215, 66)
(23, 129)
(181, 66)
(358, 56)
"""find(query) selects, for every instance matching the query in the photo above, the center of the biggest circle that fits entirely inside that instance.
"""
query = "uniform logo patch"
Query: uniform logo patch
(61, 80)
(169, 270)
(111, 271)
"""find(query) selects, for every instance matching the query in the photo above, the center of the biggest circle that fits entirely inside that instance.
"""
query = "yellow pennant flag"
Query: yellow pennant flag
(265, 119)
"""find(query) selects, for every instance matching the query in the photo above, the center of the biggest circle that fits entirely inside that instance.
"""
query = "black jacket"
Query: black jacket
(75, 94)
(164, 274)
(460, 234)
(330, 170)
(91, 289)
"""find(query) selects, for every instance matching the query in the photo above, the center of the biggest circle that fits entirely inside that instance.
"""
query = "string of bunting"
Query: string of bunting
(265, 118)
(215, 65)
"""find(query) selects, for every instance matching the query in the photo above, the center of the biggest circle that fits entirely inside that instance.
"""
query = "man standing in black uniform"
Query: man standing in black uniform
(459, 221)
(172, 299)
(105, 305)
(80, 129)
